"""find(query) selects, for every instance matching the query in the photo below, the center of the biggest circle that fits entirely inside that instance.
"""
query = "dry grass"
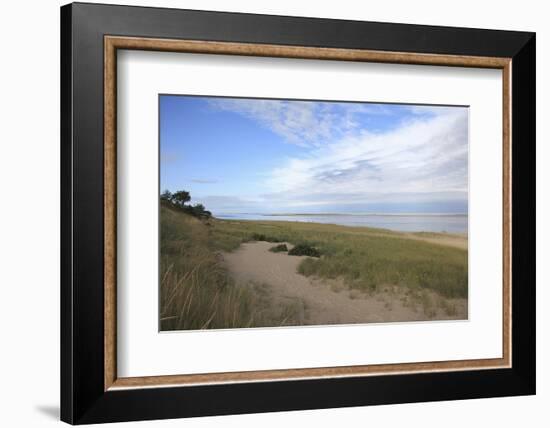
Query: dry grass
(196, 292)
(365, 258)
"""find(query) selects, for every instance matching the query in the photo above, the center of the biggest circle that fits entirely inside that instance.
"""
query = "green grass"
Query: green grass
(261, 237)
(197, 292)
(366, 258)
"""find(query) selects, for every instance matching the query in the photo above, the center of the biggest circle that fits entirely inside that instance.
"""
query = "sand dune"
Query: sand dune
(325, 301)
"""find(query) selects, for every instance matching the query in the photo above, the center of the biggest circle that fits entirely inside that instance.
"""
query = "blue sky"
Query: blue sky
(242, 155)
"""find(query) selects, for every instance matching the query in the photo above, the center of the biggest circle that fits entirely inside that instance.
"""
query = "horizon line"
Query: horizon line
(347, 214)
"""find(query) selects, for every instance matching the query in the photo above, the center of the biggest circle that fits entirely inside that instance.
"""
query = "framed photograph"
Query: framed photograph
(265, 213)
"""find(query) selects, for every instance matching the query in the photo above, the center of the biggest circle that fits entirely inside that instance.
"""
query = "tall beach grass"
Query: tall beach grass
(366, 258)
(197, 292)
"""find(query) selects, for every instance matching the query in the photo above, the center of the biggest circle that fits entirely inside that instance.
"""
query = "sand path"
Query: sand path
(324, 302)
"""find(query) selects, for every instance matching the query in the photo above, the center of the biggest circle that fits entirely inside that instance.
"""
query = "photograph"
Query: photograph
(280, 212)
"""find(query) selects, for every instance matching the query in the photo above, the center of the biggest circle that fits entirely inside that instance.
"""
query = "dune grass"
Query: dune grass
(366, 258)
(196, 291)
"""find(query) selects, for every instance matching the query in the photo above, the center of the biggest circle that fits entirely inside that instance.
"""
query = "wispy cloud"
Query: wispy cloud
(348, 156)
(304, 123)
(426, 158)
(203, 181)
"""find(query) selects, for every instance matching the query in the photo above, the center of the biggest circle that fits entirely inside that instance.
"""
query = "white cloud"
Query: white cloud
(426, 157)
(203, 181)
(361, 154)
(304, 123)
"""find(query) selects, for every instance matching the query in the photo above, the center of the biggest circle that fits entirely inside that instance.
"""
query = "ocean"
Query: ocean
(452, 223)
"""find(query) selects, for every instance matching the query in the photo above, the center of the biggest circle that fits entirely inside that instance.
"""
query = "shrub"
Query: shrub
(262, 237)
(308, 267)
(304, 250)
(279, 248)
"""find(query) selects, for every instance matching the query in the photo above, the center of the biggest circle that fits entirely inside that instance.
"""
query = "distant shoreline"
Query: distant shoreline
(370, 228)
(347, 214)
(410, 223)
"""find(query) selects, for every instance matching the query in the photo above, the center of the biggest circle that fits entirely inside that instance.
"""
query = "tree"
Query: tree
(200, 211)
(180, 197)
(199, 208)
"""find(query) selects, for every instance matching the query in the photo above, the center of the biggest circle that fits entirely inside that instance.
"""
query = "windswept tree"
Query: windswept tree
(200, 211)
(166, 196)
(180, 197)
(199, 208)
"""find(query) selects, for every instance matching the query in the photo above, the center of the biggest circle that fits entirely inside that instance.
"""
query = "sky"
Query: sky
(245, 155)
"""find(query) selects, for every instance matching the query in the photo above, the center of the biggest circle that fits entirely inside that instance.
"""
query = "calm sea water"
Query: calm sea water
(454, 223)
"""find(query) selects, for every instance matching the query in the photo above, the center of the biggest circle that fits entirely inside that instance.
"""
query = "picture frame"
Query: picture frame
(91, 390)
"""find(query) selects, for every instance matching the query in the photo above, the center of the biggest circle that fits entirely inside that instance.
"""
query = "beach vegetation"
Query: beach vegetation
(179, 199)
(281, 248)
(196, 290)
(304, 250)
(255, 236)
(363, 257)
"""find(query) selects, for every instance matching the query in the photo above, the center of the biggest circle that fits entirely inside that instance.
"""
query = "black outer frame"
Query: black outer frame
(83, 399)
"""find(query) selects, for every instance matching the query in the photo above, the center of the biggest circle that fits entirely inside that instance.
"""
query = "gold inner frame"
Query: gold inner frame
(113, 43)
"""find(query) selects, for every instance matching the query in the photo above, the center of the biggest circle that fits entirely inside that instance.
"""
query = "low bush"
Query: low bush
(262, 237)
(304, 250)
(279, 248)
